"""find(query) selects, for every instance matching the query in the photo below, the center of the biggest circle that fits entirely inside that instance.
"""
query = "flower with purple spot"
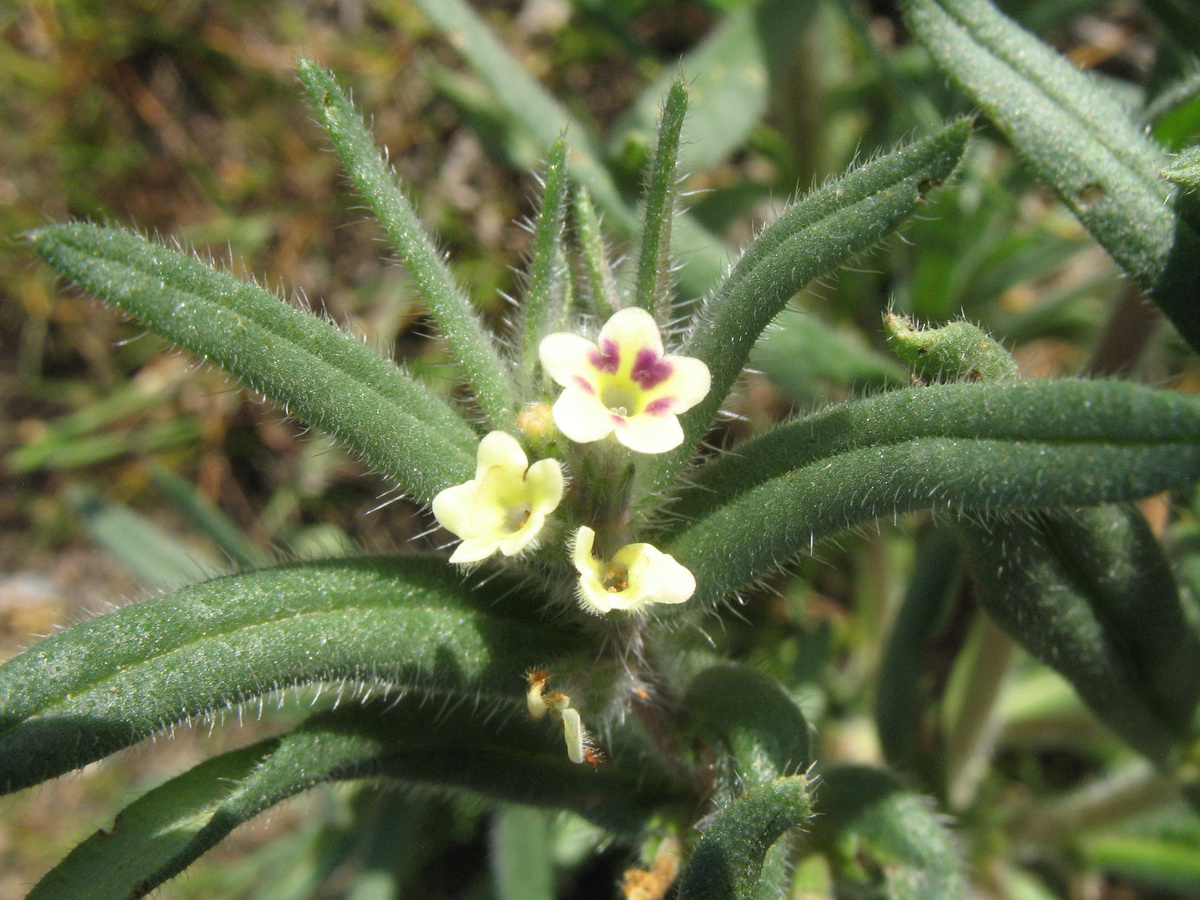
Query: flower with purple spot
(623, 384)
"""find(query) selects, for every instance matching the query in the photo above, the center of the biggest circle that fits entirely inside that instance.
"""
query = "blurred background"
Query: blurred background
(127, 468)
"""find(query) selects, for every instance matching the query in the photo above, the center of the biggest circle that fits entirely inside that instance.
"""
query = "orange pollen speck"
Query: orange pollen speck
(616, 580)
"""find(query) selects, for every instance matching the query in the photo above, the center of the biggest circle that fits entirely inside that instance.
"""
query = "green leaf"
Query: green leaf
(313, 370)
(1185, 169)
(726, 863)
(375, 182)
(653, 287)
(601, 295)
(901, 697)
(958, 448)
(957, 351)
(1056, 587)
(883, 841)
(753, 720)
(810, 239)
(406, 622)
(522, 867)
(496, 753)
(729, 77)
(540, 309)
(1077, 138)
(148, 551)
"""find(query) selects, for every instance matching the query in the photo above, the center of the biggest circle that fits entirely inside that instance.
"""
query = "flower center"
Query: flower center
(620, 398)
(516, 520)
(616, 579)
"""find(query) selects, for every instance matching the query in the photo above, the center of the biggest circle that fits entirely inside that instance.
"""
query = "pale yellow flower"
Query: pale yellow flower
(624, 384)
(637, 575)
(505, 505)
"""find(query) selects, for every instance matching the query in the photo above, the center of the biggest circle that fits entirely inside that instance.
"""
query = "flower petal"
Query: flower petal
(688, 384)
(632, 329)
(649, 433)
(544, 481)
(582, 417)
(499, 449)
(565, 357)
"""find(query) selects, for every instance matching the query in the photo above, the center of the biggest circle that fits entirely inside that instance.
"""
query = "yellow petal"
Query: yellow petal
(650, 433)
(582, 417)
(565, 357)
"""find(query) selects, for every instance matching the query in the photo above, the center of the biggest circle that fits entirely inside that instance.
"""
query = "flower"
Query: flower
(638, 574)
(505, 505)
(624, 384)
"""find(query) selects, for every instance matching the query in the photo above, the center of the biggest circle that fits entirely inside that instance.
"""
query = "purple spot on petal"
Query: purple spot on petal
(650, 369)
(660, 406)
(607, 358)
(584, 385)
(617, 420)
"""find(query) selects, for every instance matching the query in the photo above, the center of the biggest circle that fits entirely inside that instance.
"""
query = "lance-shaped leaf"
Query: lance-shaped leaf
(1056, 587)
(652, 288)
(371, 176)
(810, 239)
(107, 683)
(882, 840)
(1078, 138)
(958, 448)
(494, 752)
(1184, 169)
(317, 373)
(728, 860)
(541, 308)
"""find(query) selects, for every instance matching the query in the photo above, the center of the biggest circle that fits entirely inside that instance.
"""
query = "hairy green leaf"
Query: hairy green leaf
(728, 860)
(1184, 169)
(958, 448)
(1077, 138)
(810, 239)
(653, 286)
(107, 683)
(1059, 585)
(542, 305)
(494, 752)
(375, 182)
(753, 720)
(882, 840)
(316, 372)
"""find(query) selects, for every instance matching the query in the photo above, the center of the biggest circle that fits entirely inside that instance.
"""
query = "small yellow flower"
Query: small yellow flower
(638, 574)
(625, 384)
(505, 505)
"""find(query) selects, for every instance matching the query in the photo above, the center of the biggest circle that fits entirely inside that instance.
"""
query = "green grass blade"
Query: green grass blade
(727, 862)
(729, 76)
(469, 343)
(703, 259)
(206, 518)
(521, 855)
(148, 551)
(653, 288)
(902, 849)
(109, 682)
(810, 239)
(316, 372)
(413, 741)
(958, 448)
(1077, 138)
